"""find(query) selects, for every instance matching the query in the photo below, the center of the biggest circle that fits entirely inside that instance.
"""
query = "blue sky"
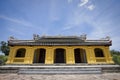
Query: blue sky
(96, 18)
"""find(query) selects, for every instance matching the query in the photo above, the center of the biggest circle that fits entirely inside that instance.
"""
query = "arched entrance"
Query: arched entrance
(59, 55)
(80, 56)
(39, 56)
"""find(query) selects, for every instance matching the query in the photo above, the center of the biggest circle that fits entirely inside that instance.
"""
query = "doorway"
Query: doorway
(80, 56)
(39, 56)
(59, 56)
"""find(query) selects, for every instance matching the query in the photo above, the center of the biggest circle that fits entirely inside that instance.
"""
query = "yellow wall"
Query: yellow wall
(49, 58)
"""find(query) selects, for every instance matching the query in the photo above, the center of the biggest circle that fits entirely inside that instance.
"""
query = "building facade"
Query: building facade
(59, 49)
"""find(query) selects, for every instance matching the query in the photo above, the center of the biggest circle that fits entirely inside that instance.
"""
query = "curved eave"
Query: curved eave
(60, 44)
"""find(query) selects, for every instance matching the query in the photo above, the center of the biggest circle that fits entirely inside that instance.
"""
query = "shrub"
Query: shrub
(116, 59)
(1, 62)
(3, 59)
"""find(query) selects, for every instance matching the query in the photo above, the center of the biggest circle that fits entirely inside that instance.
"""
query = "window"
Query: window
(20, 52)
(98, 52)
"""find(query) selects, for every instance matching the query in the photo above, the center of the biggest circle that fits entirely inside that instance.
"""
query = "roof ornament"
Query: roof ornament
(107, 37)
(36, 37)
(11, 38)
(83, 36)
(44, 35)
(59, 35)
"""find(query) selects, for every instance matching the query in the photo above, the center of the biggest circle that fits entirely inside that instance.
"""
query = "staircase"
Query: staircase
(60, 70)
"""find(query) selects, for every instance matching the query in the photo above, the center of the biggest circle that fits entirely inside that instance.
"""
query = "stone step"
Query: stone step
(24, 69)
(82, 69)
(61, 71)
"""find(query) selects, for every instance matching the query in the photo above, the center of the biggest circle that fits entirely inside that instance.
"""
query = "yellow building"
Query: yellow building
(59, 49)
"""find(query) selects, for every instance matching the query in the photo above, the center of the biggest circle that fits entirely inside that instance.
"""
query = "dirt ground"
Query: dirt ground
(105, 76)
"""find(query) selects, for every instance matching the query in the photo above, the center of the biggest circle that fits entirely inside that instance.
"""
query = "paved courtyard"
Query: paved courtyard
(105, 76)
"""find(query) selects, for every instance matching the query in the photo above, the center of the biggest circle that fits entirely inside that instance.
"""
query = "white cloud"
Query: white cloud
(18, 26)
(105, 28)
(100, 26)
(54, 14)
(69, 1)
(86, 4)
(22, 22)
(91, 7)
(75, 20)
(68, 27)
(16, 31)
(83, 2)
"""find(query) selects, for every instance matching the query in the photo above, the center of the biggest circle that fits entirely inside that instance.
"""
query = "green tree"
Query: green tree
(116, 56)
(4, 47)
(3, 59)
(115, 52)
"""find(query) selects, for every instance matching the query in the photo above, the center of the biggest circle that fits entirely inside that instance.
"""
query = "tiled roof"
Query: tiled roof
(57, 41)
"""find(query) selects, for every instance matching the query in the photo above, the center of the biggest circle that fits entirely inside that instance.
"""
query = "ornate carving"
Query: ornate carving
(11, 38)
(107, 37)
(35, 36)
(83, 37)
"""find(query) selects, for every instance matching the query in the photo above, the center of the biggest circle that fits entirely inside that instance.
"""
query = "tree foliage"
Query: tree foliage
(115, 52)
(4, 47)
(116, 56)
(3, 59)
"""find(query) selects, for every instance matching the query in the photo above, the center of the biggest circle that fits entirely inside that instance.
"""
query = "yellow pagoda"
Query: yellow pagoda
(59, 49)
